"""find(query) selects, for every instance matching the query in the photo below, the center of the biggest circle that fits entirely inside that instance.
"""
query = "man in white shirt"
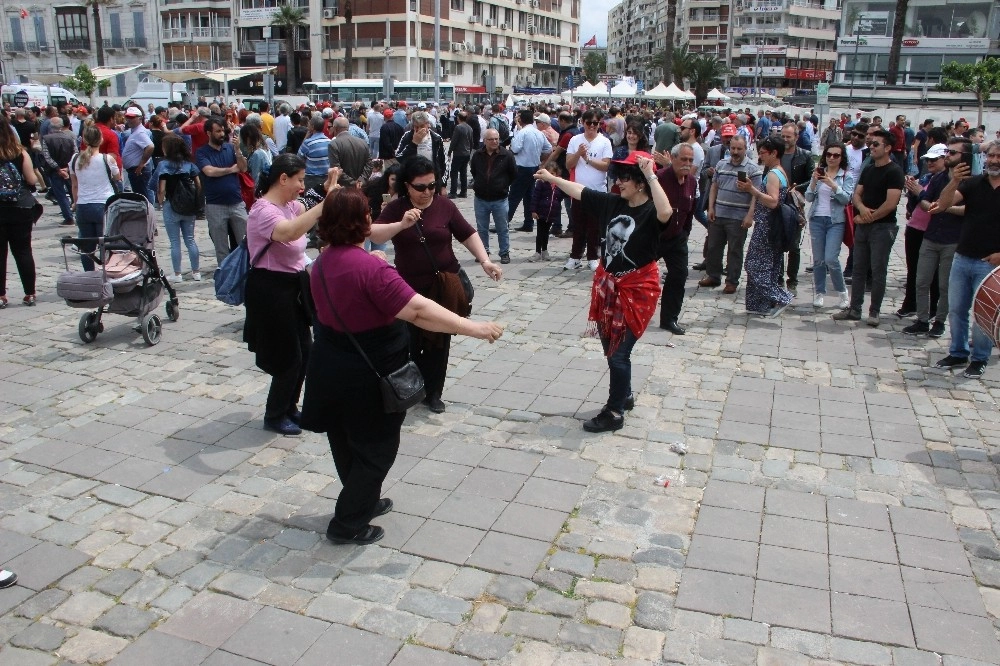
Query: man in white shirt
(281, 126)
(589, 154)
(856, 150)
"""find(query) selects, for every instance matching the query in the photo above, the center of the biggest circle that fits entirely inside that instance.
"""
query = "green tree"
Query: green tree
(898, 30)
(979, 78)
(707, 72)
(594, 63)
(680, 67)
(290, 19)
(83, 81)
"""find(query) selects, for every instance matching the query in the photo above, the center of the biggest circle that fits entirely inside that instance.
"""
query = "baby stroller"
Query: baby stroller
(128, 280)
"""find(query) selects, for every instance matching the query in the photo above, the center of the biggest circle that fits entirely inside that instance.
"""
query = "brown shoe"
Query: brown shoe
(708, 282)
(730, 288)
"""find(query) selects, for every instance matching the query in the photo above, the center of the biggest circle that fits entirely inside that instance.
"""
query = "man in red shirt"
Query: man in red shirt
(899, 141)
(195, 128)
(109, 137)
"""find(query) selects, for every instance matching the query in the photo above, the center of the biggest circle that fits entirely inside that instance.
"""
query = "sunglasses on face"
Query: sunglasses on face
(422, 187)
(593, 123)
(875, 144)
(625, 177)
(858, 134)
(954, 152)
(837, 155)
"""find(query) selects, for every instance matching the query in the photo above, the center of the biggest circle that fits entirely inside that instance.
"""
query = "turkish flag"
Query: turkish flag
(591, 42)
(24, 13)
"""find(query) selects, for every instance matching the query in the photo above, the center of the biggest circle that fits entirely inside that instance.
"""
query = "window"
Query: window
(72, 29)
(458, 5)
(39, 21)
(139, 28)
(15, 33)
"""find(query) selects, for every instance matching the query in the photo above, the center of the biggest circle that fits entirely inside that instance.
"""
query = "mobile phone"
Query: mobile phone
(821, 170)
(236, 131)
(741, 176)
(386, 198)
(967, 158)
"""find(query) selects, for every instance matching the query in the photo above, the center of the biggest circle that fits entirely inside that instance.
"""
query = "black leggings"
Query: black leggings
(286, 388)
(542, 236)
(431, 359)
(16, 233)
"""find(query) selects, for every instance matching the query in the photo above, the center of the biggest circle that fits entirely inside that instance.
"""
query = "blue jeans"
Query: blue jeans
(966, 275)
(140, 183)
(826, 239)
(373, 146)
(60, 190)
(620, 372)
(520, 192)
(90, 222)
(177, 225)
(498, 209)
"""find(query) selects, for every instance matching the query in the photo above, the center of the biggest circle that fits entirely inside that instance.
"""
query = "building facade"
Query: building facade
(935, 32)
(54, 36)
(635, 34)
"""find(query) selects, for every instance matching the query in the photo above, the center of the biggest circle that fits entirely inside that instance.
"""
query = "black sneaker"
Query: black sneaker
(975, 370)
(606, 421)
(905, 312)
(504, 258)
(368, 535)
(847, 314)
(918, 328)
(950, 362)
(937, 330)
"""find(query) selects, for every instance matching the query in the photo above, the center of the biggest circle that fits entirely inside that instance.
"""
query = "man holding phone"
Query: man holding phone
(798, 166)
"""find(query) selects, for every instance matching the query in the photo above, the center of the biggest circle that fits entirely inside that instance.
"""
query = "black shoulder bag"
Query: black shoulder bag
(400, 389)
(463, 277)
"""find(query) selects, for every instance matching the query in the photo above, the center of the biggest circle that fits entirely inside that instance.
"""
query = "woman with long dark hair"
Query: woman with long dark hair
(359, 294)
(176, 166)
(253, 147)
(421, 225)
(380, 191)
(278, 303)
(18, 213)
(635, 139)
(830, 192)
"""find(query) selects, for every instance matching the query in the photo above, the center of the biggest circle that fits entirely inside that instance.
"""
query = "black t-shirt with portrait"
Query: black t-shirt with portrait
(980, 227)
(877, 180)
(631, 234)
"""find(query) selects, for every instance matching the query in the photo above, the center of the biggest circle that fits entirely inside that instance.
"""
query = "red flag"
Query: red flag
(24, 13)
(591, 42)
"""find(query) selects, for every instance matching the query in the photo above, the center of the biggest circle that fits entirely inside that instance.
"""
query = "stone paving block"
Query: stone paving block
(82, 608)
(370, 588)
(916, 522)
(27, 657)
(791, 606)
(435, 606)
(601, 640)
(954, 633)
(934, 589)
(858, 652)
(444, 541)
(469, 583)
(556, 604)
(210, 618)
(795, 505)
(848, 445)
(530, 521)
(857, 514)
(126, 621)
(909, 657)
(45, 563)
(904, 451)
(223, 658)
(932, 554)
(239, 584)
(796, 640)
(461, 453)
(338, 608)
(865, 578)
(118, 495)
(509, 554)
(733, 496)
(13, 544)
(492, 484)
(516, 462)
(512, 590)
(91, 646)
(727, 555)
(532, 625)
(792, 438)
(275, 637)
(415, 654)
(392, 623)
(862, 544)
(469, 510)
(39, 636)
(794, 567)
(746, 631)
(482, 645)
(567, 470)
(364, 648)
(549, 494)
(35, 605)
(728, 523)
(416, 500)
(794, 533)
(744, 432)
(717, 593)
(869, 619)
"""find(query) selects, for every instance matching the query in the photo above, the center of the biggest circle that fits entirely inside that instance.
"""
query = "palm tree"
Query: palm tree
(707, 72)
(668, 52)
(898, 28)
(680, 67)
(95, 6)
(289, 19)
(349, 44)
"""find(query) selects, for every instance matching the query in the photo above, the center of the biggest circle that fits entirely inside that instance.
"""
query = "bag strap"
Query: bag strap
(423, 243)
(259, 254)
(329, 302)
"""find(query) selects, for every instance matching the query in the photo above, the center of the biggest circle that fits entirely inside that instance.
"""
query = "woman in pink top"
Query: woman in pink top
(279, 307)
(360, 293)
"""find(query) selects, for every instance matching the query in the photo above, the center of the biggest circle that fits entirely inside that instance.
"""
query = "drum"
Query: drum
(986, 305)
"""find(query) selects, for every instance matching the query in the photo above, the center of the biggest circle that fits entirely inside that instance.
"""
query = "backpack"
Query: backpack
(502, 128)
(231, 275)
(183, 194)
(11, 183)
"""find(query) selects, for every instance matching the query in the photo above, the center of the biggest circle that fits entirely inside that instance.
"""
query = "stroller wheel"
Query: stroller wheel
(173, 312)
(89, 327)
(150, 328)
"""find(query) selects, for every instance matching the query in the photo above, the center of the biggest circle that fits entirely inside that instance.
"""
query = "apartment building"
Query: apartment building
(704, 26)
(635, 34)
(48, 36)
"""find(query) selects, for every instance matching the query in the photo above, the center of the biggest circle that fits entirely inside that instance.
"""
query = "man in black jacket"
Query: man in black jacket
(493, 171)
(798, 165)
(421, 140)
(388, 140)
(58, 148)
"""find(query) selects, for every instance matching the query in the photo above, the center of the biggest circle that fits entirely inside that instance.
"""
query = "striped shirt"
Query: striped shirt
(314, 151)
(730, 203)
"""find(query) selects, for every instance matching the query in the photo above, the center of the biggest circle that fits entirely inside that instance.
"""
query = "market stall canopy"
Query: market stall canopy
(224, 74)
(587, 89)
(101, 73)
(623, 89)
(176, 75)
(676, 93)
(49, 78)
(715, 93)
(660, 92)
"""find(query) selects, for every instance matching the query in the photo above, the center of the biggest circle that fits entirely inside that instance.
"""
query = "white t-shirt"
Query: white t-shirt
(854, 161)
(93, 186)
(598, 149)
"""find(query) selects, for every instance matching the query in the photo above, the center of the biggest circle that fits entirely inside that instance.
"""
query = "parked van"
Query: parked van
(158, 93)
(31, 94)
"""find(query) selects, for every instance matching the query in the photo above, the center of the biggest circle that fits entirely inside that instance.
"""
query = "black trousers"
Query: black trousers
(674, 253)
(16, 234)
(286, 388)
(912, 240)
(459, 170)
(794, 259)
(431, 359)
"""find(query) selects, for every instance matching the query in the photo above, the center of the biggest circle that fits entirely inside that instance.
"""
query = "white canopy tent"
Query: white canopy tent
(173, 76)
(624, 89)
(101, 73)
(659, 92)
(587, 89)
(715, 93)
(224, 74)
(676, 93)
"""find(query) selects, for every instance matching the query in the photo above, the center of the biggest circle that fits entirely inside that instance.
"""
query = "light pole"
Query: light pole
(854, 63)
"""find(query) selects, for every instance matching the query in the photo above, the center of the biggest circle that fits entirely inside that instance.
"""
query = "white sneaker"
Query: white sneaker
(535, 257)
(845, 300)
(818, 301)
(196, 276)
(174, 279)
(593, 264)
(545, 256)
(572, 264)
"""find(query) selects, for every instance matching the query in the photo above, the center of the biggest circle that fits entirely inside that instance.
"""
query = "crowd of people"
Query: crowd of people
(348, 180)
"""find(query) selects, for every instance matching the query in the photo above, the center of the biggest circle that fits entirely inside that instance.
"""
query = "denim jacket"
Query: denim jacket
(845, 185)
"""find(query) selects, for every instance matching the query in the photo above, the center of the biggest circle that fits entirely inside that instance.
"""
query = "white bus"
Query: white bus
(370, 90)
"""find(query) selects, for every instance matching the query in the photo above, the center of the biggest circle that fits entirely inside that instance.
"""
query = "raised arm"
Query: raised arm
(573, 190)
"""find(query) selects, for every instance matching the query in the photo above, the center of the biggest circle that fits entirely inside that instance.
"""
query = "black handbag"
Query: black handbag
(402, 388)
(463, 277)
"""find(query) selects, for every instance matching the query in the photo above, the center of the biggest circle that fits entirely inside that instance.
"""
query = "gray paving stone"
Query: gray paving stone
(556, 604)
(118, 495)
(275, 636)
(201, 575)
(733, 496)
(954, 633)
(729, 523)
(370, 588)
(857, 652)
(512, 590)
(664, 556)
(934, 589)
(796, 640)
(40, 603)
(532, 625)
(118, 582)
(444, 541)
(364, 648)
(415, 654)
(572, 563)
(858, 514)
(210, 618)
(794, 533)
(469, 583)
(717, 593)
(727, 555)
(530, 521)
(28, 657)
(481, 645)
(39, 636)
(870, 579)
(909, 657)
(469, 510)
(126, 621)
(746, 631)
(791, 606)
(564, 469)
(719, 651)
(794, 567)
(869, 619)
(435, 606)
(862, 544)
(654, 610)
(506, 553)
(795, 505)
(548, 494)
(155, 647)
(392, 623)
(932, 554)
(601, 640)
(44, 564)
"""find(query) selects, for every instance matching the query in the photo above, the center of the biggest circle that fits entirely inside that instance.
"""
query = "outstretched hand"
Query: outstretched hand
(544, 175)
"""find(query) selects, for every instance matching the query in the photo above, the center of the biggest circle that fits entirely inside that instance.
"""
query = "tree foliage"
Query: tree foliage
(681, 63)
(83, 81)
(290, 19)
(594, 63)
(981, 79)
(707, 72)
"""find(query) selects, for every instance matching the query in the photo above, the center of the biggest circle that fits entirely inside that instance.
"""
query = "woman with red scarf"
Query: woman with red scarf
(626, 286)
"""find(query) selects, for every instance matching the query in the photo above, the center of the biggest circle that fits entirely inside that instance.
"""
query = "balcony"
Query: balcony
(72, 45)
(115, 43)
(13, 47)
(36, 47)
(198, 34)
(135, 42)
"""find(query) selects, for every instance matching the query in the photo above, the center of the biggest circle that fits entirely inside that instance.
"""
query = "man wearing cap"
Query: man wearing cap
(138, 152)
(399, 117)
(544, 125)
(388, 140)
(528, 146)
(937, 247)
(76, 120)
(730, 214)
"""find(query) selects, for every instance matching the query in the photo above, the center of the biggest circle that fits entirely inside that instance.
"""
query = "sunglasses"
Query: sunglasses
(875, 144)
(954, 152)
(422, 187)
(837, 155)
(625, 177)
(858, 134)
(593, 123)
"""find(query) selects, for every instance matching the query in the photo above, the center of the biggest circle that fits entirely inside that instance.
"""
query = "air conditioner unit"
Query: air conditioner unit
(329, 13)
(503, 53)
(456, 46)
(488, 51)
(473, 19)
(519, 56)
(503, 26)
(531, 29)
(488, 23)
(534, 3)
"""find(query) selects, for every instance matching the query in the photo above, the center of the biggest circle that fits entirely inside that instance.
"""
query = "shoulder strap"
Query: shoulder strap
(329, 302)
(107, 168)
(423, 244)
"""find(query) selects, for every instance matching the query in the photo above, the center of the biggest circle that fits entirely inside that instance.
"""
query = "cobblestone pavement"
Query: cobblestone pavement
(838, 502)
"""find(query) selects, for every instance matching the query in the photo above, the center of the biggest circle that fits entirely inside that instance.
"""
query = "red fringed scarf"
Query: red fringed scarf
(617, 302)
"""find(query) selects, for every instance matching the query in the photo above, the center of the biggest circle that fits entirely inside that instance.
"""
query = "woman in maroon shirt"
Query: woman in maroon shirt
(359, 292)
(419, 213)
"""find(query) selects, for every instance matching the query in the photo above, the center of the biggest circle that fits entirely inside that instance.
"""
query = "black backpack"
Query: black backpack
(783, 225)
(11, 182)
(183, 196)
(502, 128)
